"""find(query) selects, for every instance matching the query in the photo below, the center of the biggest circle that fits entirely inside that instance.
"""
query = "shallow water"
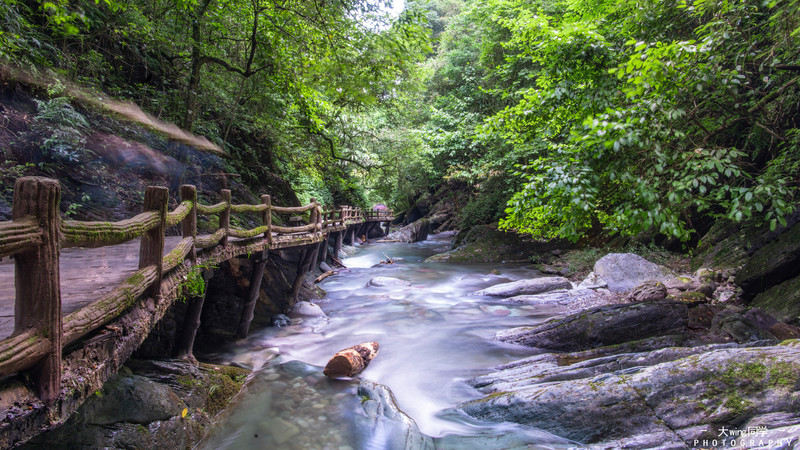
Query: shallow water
(433, 336)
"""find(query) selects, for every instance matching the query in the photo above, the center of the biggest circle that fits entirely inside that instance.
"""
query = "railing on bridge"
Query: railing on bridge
(37, 232)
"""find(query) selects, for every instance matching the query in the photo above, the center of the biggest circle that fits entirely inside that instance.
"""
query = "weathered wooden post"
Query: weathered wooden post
(337, 244)
(189, 224)
(267, 217)
(151, 249)
(225, 215)
(37, 278)
(312, 215)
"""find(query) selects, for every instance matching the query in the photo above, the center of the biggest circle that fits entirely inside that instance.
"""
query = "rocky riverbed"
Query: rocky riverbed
(647, 358)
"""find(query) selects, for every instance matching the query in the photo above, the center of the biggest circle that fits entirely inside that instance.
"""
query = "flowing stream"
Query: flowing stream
(433, 336)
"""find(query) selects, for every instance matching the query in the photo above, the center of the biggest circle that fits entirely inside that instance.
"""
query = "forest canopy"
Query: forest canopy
(559, 118)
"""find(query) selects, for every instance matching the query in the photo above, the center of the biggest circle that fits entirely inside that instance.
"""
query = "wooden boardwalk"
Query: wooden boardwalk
(80, 297)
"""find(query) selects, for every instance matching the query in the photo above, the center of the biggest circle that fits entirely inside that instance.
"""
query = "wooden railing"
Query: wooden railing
(37, 232)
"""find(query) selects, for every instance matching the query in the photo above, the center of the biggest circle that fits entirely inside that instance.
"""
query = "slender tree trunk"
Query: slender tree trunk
(248, 308)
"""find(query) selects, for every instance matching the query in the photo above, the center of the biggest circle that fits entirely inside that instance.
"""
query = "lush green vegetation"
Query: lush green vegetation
(619, 116)
(565, 118)
(284, 87)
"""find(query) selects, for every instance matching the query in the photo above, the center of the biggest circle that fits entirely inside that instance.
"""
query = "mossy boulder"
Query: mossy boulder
(772, 264)
(781, 301)
(486, 244)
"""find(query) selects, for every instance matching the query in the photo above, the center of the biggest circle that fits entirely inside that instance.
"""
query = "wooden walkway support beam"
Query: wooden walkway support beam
(38, 285)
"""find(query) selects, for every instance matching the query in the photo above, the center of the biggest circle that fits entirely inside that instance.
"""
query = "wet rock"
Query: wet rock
(606, 325)
(624, 271)
(384, 424)
(660, 398)
(324, 267)
(154, 402)
(281, 320)
(648, 292)
(307, 309)
(739, 329)
(387, 282)
(526, 287)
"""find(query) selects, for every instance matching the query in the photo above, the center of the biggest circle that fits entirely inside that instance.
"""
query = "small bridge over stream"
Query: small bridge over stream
(62, 344)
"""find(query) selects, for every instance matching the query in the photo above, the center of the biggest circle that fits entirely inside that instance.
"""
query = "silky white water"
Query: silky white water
(433, 336)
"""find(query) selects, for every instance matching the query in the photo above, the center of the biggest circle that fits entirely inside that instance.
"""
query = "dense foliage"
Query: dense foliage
(275, 83)
(624, 116)
(565, 118)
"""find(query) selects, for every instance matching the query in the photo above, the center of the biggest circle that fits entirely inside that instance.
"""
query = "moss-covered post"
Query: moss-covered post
(151, 249)
(189, 224)
(37, 279)
(191, 322)
(266, 218)
(313, 214)
(225, 215)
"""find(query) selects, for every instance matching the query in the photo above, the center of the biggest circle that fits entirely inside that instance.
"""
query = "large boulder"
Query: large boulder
(413, 232)
(526, 287)
(669, 398)
(773, 263)
(625, 271)
(606, 325)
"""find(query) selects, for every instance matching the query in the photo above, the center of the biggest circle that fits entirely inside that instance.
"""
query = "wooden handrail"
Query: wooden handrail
(40, 332)
(100, 234)
(211, 209)
(19, 235)
(178, 214)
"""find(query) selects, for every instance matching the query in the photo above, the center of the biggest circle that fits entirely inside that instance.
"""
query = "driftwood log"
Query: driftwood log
(351, 361)
(325, 275)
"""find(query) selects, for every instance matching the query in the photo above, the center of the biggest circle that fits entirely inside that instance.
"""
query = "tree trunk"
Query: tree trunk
(252, 298)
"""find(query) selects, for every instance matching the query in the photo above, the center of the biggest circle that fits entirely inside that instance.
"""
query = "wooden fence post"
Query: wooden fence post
(189, 224)
(151, 249)
(313, 213)
(37, 280)
(225, 216)
(320, 216)
(267, 217)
